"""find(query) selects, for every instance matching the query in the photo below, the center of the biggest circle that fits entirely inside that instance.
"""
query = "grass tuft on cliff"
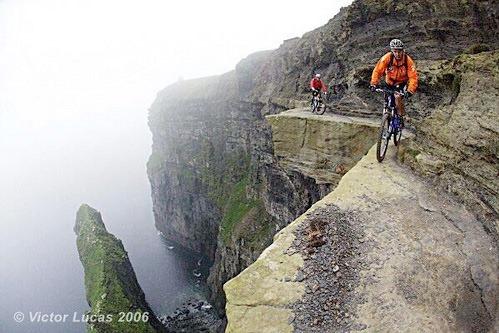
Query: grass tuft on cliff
(237, 207)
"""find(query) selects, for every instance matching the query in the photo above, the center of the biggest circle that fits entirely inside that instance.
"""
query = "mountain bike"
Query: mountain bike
(317, 104)
(391, 123)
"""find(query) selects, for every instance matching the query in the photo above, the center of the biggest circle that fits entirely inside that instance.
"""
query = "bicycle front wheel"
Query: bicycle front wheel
(397, 135)
(383, 138)
(314, 105)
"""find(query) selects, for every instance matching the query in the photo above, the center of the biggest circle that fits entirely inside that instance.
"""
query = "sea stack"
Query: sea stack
(116, 299)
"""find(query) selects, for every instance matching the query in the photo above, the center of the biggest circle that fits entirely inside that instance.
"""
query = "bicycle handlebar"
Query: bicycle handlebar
(388, 91)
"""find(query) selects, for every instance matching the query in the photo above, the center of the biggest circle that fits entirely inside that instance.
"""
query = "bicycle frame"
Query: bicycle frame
(318, 105)
(390, 108)
(390, 124)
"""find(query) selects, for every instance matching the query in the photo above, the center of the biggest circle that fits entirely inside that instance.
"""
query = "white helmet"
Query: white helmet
(396, 44)
(318, 75)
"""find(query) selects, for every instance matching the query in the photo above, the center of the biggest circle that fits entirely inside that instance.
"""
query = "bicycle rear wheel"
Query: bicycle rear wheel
(383, 138)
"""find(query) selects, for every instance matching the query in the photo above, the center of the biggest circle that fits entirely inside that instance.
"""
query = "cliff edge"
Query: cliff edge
(385, 251)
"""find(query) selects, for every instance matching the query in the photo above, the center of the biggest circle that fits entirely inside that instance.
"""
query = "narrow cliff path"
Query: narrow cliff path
(383, 252)
(305, 112)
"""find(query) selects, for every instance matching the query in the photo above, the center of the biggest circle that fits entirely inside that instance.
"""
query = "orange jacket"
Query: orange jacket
(398, 72)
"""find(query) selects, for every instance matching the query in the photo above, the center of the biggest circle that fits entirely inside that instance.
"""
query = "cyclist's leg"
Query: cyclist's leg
(399, 103)
(312, 99)
(319, 95)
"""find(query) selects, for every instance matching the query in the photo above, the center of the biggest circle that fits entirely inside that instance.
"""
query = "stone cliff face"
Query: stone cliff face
(110, 282)
(217, 187)
(456, 145)
(220, 182)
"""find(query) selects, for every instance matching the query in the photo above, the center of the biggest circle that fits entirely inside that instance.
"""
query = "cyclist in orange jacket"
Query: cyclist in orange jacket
(400, 74)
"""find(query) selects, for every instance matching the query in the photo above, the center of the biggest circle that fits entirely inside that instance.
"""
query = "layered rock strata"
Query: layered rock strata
(215, 183)
(321, 147)
(457, 144)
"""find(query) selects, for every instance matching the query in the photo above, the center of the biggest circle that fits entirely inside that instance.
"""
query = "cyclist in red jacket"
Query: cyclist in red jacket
(316, 84)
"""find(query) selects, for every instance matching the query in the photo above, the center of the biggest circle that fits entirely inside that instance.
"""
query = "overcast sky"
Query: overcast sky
(77, 76)
(61, 58)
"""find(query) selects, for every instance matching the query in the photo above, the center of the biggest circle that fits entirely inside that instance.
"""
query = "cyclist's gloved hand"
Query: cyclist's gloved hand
(373, 87)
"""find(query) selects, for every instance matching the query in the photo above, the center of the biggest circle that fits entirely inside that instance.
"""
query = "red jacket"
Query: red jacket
(318, 84)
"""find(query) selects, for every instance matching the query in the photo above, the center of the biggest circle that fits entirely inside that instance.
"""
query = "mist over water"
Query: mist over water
(76, 81)
(44, 180)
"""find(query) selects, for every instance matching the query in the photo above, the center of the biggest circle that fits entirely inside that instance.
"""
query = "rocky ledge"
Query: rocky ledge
(194, 316)
(385, 251)
(322, 147)
(111, 286)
